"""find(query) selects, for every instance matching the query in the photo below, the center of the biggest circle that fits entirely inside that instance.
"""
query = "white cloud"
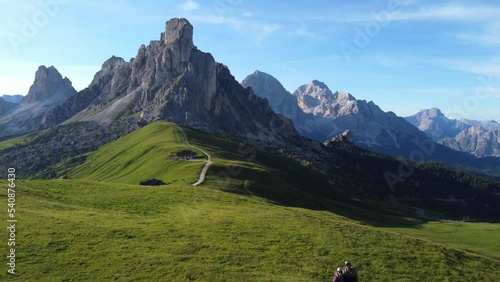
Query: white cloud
(413, 11)
(448, 11)
(302, 31)
(486, 34)
(290, 69)
(189, 5)
(490, 69)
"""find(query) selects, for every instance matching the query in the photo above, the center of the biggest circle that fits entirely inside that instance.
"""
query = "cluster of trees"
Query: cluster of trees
(456, 193)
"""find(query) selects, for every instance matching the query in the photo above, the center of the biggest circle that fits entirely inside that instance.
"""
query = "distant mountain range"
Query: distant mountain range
(321, 114)
(12, 98)
(326, 131)
(480, 138)
(172, 80)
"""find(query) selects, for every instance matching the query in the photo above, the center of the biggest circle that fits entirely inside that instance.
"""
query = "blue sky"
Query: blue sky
(404, 55)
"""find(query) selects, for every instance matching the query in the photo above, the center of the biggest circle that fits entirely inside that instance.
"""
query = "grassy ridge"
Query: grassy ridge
(143, 154)
(240, 168)
(92, 231)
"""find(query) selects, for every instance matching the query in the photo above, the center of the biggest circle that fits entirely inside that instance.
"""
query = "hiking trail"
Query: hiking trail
(207, 165)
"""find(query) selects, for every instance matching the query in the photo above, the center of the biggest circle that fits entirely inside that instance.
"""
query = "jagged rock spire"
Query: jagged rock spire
(179, 36)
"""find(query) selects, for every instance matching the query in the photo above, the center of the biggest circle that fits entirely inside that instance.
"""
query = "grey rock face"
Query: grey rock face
(369, 126)
(320, 114)
(48, 84)
(479, 138)
(280, 100)
(476, 140)
(48, 90)
(434, 123)
(345, 137)
(170, 79)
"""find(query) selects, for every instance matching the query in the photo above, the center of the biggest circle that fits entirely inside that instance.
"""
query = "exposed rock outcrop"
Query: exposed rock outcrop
(280, 100)
(49, 85)
(170, 79)
(48, 90)
(344, 137)
(480, 138)
(320, 114)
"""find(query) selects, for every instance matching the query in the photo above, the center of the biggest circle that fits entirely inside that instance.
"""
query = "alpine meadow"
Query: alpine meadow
(163, 162)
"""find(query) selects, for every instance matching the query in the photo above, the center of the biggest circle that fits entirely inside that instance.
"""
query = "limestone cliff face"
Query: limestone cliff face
(321, 114)
(476, 140)
(49, 84)
(369, 126)
(170, 79)
(281, 101)
(49, 90)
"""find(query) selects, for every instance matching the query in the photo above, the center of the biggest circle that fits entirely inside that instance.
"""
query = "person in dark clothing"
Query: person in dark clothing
(350, 274)
(338, 276)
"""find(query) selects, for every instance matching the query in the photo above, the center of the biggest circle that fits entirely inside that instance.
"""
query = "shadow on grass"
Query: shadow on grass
(358, 193)
(313, 193)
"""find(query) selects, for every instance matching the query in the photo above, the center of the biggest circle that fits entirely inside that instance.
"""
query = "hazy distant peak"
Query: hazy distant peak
(432, 112)
(12, 98)
(262, 75)
(48, 82)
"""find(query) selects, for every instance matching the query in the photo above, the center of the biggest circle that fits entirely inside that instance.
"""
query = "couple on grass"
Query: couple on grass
(348, 274)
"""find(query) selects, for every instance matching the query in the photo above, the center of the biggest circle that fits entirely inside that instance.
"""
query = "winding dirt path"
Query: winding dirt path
(207, 165)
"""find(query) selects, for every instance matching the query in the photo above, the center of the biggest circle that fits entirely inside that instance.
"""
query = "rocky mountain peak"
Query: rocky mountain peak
(170, 79)
(431, 113)
(179, 36)
(479, 138)
(319, 84)
(343, 97)
(178, 30)
(48, 82)
(345, 137)
(280, 100)
(48, 91)
(261, 75)
(260, 79)
(112, 62)
(316, 89)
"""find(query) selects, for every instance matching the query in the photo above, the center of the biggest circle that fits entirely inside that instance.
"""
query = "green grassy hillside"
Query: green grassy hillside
(15, 141)
(474, 237)
(79, 230)
(143, 154)
(258, 217)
